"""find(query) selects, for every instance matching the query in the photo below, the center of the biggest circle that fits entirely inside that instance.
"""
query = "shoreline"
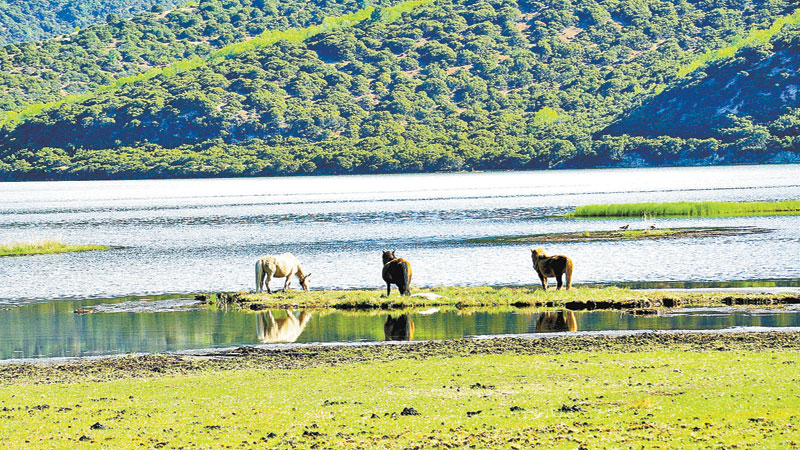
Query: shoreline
(579, 298)
(553, 392)
(765, 288)
(223, 353)
(284, 356)
(632, 234)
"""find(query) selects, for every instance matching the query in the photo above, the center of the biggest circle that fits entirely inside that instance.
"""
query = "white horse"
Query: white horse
(281, 330)
(279, 266)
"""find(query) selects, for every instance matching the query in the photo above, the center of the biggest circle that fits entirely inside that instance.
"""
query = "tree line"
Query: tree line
(446, 85)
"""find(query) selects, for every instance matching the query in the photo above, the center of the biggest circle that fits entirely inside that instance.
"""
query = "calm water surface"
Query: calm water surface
(166, 324)
(203, 235)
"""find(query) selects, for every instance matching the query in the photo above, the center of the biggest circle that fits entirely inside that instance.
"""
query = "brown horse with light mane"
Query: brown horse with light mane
(396, 271)
(551, 266)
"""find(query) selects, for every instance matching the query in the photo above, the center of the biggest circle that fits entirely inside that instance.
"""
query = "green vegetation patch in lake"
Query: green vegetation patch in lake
(693, 209)
(45, 247)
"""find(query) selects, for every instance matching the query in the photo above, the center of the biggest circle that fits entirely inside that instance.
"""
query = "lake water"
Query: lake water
(188, 236)
(167, 324)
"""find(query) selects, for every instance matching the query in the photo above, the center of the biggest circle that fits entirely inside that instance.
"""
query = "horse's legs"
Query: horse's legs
(558, 280)
(543, 280)
(269, 278)
(388, 288)
(287, 285)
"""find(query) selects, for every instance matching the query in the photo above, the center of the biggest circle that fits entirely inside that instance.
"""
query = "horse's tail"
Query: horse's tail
(405, 268)
(259, 275)
(568, 270)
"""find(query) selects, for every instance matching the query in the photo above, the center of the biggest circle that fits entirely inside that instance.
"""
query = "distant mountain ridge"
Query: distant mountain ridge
(443, 85)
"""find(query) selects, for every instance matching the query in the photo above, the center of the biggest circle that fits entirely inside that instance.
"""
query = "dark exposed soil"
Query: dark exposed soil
(301, 357)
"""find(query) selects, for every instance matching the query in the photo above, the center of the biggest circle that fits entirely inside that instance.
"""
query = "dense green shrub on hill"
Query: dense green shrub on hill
(94, 56)
(31, 20)
(452, 85)
(756, 86)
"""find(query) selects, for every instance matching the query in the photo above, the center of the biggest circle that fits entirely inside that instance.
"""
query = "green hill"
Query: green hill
(760, 82)
(749, 101)
(74, 64)
(442, 85)
(30, 20)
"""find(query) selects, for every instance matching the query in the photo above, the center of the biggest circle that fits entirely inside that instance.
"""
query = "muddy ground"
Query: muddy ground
(619, 235)
(327, 356)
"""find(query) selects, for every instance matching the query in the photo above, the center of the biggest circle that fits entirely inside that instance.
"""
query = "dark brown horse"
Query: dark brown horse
(396, 271)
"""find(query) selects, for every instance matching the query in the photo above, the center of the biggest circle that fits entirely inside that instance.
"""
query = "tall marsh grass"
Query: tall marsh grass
(701, 209)
(44, 247)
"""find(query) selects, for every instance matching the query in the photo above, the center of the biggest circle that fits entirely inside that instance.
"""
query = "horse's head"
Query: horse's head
(303, 281)
(388, 255)
(537, 253)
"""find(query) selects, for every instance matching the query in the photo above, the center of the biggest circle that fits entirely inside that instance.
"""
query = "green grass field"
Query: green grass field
(632, 392)
(45, 247)
(699, 209)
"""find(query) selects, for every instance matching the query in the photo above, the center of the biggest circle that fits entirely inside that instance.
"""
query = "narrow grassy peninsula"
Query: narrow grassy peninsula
(621, 235)
(45, 247)
(691, 209)
(578, 298)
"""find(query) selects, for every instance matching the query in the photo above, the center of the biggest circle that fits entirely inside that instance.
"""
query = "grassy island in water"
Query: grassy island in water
(45, 247)
(692, 209)
(625, 234)
(578, 298)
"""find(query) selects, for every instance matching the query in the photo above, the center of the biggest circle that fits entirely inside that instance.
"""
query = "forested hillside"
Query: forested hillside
(30, 20)
(439, 85)
(761, 82)
(95, 56)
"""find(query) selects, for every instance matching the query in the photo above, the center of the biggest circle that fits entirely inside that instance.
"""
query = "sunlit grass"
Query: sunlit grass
(45, 247)
(630, 398)
(693, 209)
(753, 38)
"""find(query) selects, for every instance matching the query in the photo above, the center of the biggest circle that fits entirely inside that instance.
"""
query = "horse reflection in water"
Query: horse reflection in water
(556, 321)
(289, 329)
(399, 329)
